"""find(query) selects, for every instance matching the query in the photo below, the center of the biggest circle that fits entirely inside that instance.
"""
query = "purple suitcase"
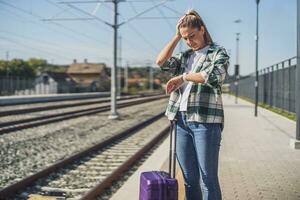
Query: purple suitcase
(159, 185)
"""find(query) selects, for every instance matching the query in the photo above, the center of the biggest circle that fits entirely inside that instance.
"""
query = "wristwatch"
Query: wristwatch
(184, 77)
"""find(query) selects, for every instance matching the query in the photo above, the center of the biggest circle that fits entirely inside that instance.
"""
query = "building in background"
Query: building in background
(89, 77)
(54, 83)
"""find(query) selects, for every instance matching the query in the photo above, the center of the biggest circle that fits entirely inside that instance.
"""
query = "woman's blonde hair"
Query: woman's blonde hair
(192, 19)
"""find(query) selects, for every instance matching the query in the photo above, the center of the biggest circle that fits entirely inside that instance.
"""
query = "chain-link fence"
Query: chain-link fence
(276, 85)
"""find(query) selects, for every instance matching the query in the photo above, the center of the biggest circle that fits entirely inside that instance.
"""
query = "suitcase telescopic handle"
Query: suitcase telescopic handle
(172, 155)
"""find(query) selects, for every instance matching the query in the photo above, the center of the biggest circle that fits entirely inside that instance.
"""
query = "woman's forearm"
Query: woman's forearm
(195, 77)
(175, 82)
(167, 51)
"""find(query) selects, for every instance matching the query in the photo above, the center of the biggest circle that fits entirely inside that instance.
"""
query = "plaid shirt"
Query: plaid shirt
(205, 100)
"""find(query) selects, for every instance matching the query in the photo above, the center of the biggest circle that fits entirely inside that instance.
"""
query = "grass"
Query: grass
(291, 116)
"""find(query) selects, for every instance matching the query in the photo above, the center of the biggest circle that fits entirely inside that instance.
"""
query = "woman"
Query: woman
(196, 103)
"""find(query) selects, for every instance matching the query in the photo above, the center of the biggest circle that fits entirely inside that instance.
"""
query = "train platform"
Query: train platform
(256, 159)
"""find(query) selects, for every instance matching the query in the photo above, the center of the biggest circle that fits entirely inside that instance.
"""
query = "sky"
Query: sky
(26, 31)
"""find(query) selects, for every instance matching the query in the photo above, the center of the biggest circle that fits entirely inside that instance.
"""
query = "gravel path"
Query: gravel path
(25, 152)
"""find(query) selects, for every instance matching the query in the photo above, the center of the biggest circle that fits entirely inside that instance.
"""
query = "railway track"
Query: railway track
(25, 108)
(19, 124)
(87, 174)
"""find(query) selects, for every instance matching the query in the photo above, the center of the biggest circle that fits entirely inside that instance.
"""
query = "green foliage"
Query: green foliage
(3, 67)
(291, 116)
(29, 68)
(161, 75)
(41, 65)
(36, 63)
(133, 90)
(16, 67)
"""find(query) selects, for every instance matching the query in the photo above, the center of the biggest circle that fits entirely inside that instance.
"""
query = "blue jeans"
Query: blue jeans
(197, 150)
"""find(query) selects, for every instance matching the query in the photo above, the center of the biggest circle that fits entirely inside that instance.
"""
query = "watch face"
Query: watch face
(174, 62)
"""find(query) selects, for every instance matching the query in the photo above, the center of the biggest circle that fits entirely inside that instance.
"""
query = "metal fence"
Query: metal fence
(14, 85)
(276, 85)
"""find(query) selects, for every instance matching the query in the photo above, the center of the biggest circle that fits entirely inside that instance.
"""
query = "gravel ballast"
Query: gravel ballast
(25, 152)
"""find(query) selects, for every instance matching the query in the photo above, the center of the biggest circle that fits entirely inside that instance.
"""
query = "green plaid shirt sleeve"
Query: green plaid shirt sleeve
(171, 66)
(217, 72)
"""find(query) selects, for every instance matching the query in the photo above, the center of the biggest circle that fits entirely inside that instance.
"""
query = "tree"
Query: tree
(37, 64)
(18, 67)
(3, 67)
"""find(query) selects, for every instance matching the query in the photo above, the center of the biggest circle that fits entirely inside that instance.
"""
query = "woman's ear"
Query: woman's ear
(202, 30)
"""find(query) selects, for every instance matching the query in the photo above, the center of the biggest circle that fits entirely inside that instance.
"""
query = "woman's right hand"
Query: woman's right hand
(177, 26)
(167, 51)
(173, 84)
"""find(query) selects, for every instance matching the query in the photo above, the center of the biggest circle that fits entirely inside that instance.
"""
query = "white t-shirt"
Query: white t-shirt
(186, 87)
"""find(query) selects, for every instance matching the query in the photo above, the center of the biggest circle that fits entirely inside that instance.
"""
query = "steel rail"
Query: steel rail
(53, 107)
(117, 173)
(7, 127)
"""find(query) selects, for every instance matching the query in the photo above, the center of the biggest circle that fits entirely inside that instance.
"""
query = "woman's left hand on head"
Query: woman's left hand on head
(173, 84)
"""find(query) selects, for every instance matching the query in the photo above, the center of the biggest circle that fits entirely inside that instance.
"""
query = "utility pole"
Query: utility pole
(295, 143)
(126, 78)
(113, 111)
(8, 80)
(298, 71)
(237, 74)
(119, 67)
(151, 78)
(256, 61)
(7, 59)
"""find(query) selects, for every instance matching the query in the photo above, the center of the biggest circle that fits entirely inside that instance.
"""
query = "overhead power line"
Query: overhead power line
(57, 24)
(32, 48)
(164, 17)
(70, 19)
(49, 45)
(132, 7)
(106, 1)
(173, 10)
(76, 16)
(153, 48)
(143, 12)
